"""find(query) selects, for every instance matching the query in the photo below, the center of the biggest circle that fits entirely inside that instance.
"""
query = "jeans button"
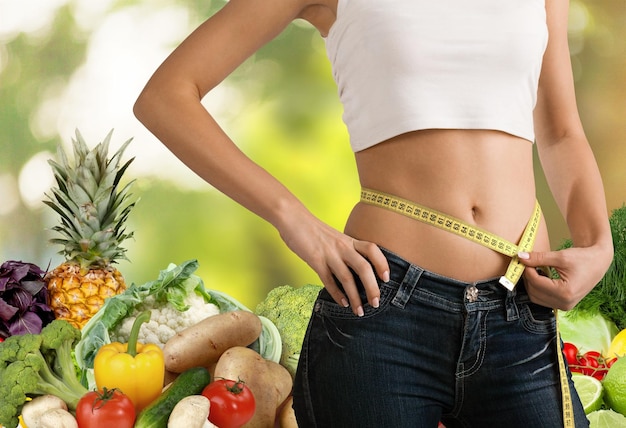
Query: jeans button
(471, 293)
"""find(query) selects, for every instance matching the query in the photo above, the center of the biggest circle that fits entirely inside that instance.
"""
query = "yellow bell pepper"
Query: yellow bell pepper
(134, 368)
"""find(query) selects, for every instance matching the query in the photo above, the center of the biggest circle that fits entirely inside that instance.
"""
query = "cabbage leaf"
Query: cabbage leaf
(589, 332)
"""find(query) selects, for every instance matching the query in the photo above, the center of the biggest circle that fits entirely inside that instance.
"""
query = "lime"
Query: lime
(589, 390)
(606, 419)
(615, 386)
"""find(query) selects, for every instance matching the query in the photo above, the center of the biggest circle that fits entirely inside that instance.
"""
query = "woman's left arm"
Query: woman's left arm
(573, 177)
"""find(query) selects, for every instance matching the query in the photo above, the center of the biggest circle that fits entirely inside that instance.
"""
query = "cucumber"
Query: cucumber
(189, 382)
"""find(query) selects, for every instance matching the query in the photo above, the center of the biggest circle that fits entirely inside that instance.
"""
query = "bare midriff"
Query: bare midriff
(482, 177)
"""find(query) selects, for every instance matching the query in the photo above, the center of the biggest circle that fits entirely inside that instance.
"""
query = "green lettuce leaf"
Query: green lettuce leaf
(589, 332)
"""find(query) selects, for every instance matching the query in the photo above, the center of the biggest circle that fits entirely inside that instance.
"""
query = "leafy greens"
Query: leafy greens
(608, 297)
(172, 286)
(23, 299)
(588, 332)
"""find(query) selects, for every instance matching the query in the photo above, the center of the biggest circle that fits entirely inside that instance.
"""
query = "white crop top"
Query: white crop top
(406, 65)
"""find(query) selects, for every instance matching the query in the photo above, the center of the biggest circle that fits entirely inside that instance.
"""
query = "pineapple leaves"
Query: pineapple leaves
(121, 171)
(87, 199)
(115, 212)
(117, 157)
(88, 181)
(66, 212)
(77, 193)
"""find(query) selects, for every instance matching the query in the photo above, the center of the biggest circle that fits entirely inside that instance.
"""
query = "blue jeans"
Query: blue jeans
(437, 349)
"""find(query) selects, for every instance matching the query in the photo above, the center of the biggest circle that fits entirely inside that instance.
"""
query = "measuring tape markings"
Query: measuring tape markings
(489, 240)
(566, 395)
(459, 227)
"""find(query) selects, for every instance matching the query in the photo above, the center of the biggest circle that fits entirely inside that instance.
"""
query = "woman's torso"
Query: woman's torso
(483, 177)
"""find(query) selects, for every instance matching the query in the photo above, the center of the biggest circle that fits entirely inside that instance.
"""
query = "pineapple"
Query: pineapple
(93, 211)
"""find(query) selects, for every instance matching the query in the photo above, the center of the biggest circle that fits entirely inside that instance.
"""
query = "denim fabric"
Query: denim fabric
(470, 355)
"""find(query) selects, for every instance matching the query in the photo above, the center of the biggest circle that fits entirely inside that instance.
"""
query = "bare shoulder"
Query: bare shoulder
(319, 13)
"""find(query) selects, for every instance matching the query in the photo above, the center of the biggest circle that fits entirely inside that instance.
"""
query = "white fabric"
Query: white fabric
(405, 65)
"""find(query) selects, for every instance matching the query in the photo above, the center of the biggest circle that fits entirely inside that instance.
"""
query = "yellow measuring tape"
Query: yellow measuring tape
(486, 239)
(568, 411)
(459, 227)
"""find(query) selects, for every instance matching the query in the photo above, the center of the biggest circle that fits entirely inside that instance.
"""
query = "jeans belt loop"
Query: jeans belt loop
(407, 286)
(512, 311)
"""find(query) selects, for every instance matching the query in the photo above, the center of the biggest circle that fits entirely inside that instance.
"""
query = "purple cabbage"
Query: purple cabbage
(23, 299)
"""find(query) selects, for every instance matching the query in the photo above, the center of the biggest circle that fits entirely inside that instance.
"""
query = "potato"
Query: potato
(202, 344)
(287, 417)
(169, 377)
(269, 382)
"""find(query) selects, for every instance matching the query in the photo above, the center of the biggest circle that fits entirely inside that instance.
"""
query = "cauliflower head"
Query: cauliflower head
(289, 308)
(165, 321)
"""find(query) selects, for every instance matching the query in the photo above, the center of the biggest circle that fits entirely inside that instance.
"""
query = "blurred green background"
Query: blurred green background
(80, 64)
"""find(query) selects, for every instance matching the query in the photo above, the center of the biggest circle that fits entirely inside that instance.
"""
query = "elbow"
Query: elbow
(150, 104)
(606, 248)
(142, 106)
(159, 102)
(609, 254)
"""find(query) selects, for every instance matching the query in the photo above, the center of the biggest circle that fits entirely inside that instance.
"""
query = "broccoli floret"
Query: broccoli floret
(38, 364)
(59, 340)
(16, 348)
(289, 308)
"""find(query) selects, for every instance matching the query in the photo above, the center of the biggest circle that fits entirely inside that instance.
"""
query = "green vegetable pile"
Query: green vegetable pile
(289, 308)
(171, 288)
(608, 297)
(38, 364)
(589, 332)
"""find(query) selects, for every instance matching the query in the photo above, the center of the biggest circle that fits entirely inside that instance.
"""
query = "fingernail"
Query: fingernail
(523, 255)
(375, 302)
(385, 276)
(359, 311)
(345, 303)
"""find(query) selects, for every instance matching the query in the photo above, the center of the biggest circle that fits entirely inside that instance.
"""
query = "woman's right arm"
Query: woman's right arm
(170, 107)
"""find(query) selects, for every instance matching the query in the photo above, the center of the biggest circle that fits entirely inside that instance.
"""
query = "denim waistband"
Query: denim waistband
(468, 296)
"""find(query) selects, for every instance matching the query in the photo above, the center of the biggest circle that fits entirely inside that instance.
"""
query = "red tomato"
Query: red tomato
(594, 355)
(105, 409)
(232, 403)
(589, 365)
(571, 353)
(594, 364)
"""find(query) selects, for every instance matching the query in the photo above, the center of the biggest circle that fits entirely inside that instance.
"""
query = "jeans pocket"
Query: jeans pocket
(326, 306)
(537, 319)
